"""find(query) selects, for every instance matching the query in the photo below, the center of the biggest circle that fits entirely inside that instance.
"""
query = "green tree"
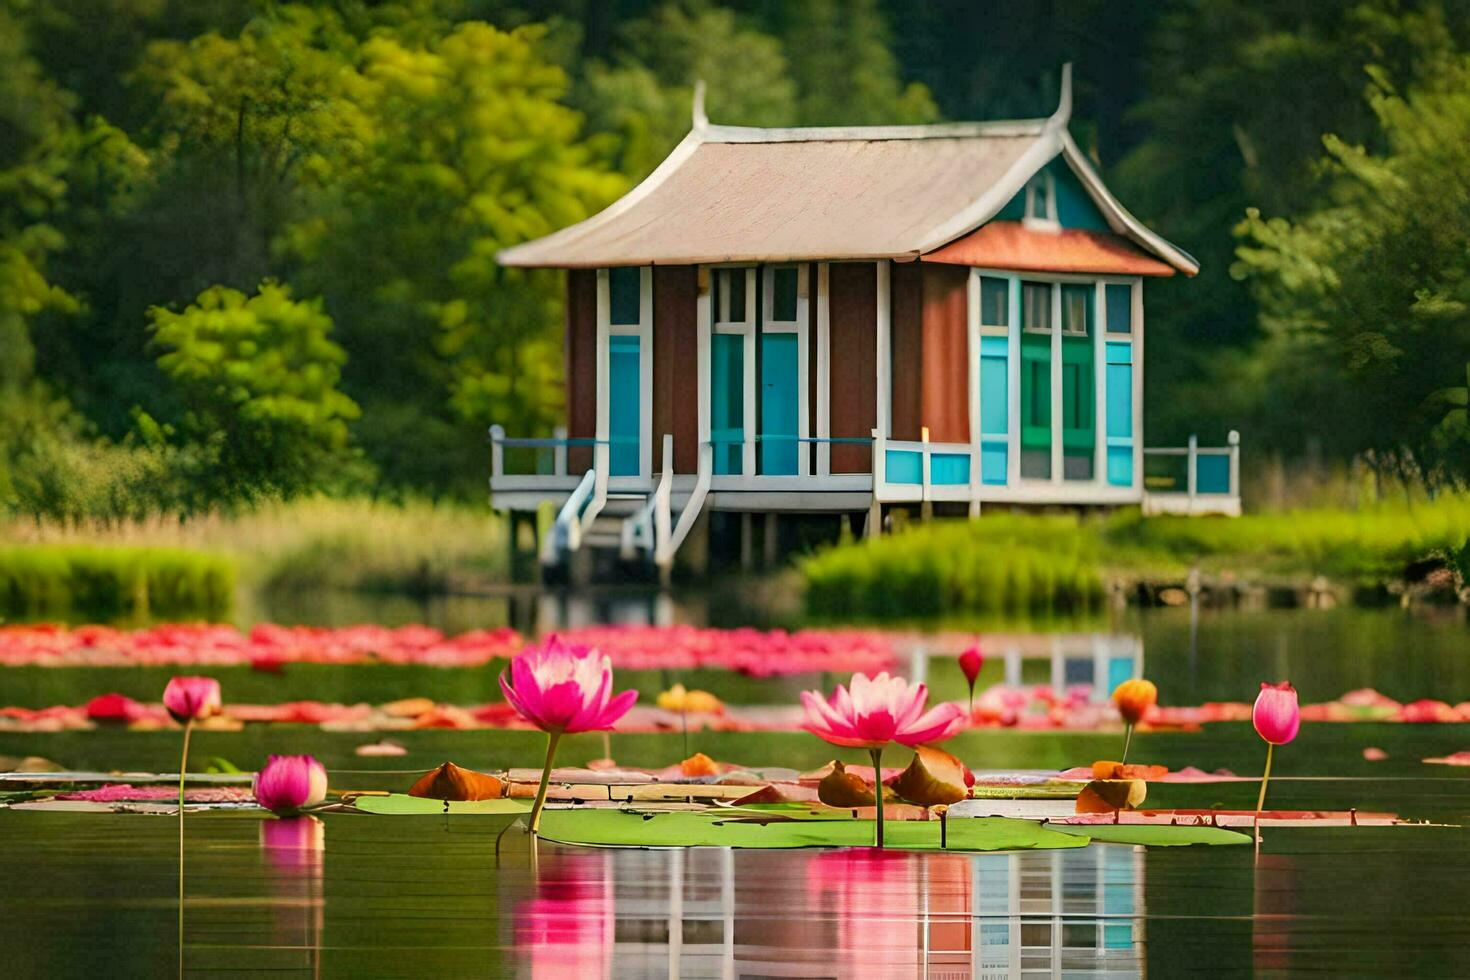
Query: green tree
(258, 376)
(471, 152)
(646, 93)
(1365, 299)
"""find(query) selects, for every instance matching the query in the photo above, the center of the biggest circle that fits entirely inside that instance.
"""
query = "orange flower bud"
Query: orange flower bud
(1134, 698)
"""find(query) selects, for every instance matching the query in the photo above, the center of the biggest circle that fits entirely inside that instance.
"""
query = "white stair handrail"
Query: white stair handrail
(567, 528)
(663, 500)
(641, 529)
(601, 463)
(664, 556)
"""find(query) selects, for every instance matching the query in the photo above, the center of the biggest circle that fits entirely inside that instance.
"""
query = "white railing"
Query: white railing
(1211, 480)
(558, 444)
(664, 552)
(640, 530)
(905, 471)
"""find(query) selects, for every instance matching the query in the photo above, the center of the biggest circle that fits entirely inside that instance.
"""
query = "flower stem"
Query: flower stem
(183, 769)
(551, 739)
(1261, 800)
(877, 755)
(971, 713)
(1127, 741)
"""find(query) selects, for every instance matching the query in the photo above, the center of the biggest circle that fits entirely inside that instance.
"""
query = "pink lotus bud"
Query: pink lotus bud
(970, 662)
(1276, 714)
(191, 698)
(289, 783)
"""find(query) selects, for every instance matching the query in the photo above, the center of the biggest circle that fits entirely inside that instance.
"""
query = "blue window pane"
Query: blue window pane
(727, 402)
(624, 405)
(780, 401)
(993, 463)
(1212, 474)
(949, 469)
(1120, 669)
(1120, 466)
(994, 387)
(1120, 308)
(903, 466)
(625, 289)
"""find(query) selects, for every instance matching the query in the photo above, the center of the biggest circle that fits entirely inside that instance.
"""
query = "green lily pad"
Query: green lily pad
(401, 804)
(620, 828)
(1152, 835)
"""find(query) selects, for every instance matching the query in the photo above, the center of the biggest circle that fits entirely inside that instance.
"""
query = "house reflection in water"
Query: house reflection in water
(718, 913)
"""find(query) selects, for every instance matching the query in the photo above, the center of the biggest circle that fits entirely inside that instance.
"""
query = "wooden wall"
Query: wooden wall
(853, 311)
(945, 357)
(676, 365)
(581, 366)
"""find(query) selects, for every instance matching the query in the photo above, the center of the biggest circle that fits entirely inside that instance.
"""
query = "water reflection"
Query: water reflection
(292, 850)
(711, 912)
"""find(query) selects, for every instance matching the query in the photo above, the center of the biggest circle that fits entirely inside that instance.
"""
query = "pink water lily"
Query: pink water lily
(290, 783)
(191, 698)
(871, 712)
(875, 711)
(563, 688)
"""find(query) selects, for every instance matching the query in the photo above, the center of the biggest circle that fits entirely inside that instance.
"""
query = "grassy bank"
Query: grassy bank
(1013, 563)
(105, 583)
(319, 544)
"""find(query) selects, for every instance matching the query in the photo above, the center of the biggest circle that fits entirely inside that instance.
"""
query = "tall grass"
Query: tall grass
(108, 583)
(320, 543)
(1015, 563)
(1006, 563)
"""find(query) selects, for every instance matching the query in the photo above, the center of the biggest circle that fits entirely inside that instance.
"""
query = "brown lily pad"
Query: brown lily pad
(841, 788)
(457, 784)
(934, 778)
(1110, 795)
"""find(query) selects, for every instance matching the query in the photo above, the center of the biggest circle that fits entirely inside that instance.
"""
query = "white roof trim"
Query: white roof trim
(1118, 217)
(835, 134)
(661, 173)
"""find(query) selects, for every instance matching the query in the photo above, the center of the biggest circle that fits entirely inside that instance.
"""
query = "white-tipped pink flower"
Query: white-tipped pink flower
(290, 783)
(875, 711)
(870, 713)
(565, 688)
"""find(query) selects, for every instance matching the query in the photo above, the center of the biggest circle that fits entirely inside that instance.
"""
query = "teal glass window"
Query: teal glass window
(624, 405)
(1120, 308)
(783, 294)
(727, 402)
(625, 296)
(995, 302)
(779, 405)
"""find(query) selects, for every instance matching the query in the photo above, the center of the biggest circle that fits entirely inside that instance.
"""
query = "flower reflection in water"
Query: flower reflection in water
(566, 930)
(1273, 909)
(292, 850)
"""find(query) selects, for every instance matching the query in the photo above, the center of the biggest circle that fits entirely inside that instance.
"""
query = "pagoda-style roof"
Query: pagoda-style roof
(742, 194)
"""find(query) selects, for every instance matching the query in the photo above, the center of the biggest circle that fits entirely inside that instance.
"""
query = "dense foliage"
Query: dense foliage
(367, 161)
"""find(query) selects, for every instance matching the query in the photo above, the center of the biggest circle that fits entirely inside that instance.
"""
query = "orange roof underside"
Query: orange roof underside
(1012, 245)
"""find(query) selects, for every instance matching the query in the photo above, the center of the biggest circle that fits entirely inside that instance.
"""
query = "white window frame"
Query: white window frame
(643, 330)
(1048, 220)
(769, 324)
(1100, 337)
(720, 323)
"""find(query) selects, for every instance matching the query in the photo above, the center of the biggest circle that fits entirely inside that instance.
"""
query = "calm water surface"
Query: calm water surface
(96, 895)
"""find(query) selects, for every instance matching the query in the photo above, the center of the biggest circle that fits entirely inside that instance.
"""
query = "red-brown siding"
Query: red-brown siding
(676, 365)
(581, 367)
(945, 394)
(811, 360)
(906, 343)
(853, 311)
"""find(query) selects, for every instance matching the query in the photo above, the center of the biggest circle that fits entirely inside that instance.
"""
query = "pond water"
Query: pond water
(426, 896)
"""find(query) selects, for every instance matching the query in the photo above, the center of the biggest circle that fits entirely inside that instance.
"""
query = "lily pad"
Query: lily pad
(621, 828)
(399, 804)
(1151, 835)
